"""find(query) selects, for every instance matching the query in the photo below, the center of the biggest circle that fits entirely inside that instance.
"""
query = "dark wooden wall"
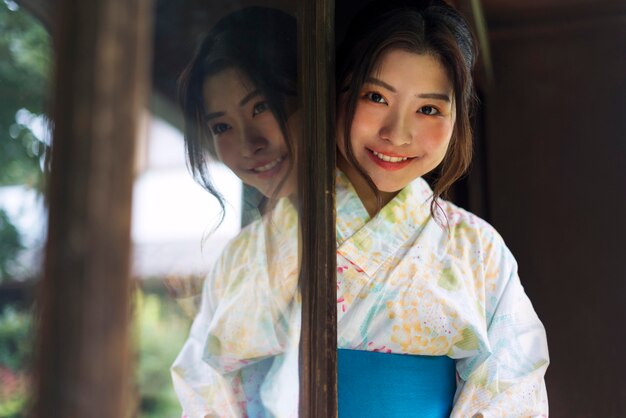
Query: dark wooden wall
(556, 164)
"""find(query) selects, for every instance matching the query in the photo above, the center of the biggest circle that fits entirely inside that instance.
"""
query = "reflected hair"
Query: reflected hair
(423, 27)
(261, 43)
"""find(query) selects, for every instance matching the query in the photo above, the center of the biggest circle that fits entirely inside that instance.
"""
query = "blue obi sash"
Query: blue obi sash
(373, 384)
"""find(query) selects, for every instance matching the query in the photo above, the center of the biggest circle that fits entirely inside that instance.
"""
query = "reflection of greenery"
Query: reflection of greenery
(10, 244)
(15, 337)
(25, 56)
(25, 68)
(160, 331)
(15, 349)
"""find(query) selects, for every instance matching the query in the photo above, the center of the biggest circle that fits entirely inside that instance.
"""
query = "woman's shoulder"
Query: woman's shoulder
(467, 229)
(478, 246)
(245, 241)
(275, 226)
(257, 244)
(245, 259)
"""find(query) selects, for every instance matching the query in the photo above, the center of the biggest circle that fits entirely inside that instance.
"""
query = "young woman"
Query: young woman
(432, 318)
(238, 96)
(421, 280)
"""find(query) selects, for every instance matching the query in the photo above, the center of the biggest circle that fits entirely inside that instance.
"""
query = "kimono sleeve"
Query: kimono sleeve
(506, 379)
(202, 390)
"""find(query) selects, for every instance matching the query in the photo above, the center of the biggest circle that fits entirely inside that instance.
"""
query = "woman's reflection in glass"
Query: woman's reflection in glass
(238, 96)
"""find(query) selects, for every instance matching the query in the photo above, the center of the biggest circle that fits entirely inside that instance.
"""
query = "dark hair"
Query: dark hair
(261, 43)
(424, 27)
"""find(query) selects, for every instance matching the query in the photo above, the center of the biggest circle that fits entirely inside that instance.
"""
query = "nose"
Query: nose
(252, 141)
(397, 129)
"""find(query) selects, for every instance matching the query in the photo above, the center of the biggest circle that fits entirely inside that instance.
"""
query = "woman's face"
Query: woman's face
(246, 135)
(403, 121)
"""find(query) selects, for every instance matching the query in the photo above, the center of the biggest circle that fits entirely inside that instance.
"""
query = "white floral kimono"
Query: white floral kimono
(406, 284)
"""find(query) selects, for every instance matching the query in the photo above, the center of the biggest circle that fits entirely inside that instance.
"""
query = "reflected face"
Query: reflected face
(403, 121)
(246, 135)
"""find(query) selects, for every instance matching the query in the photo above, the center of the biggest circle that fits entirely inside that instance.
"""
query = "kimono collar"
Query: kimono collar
(369, 242)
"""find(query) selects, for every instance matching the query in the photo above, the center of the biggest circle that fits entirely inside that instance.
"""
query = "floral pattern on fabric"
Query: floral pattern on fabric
(233, 361)
(405, 284)
(416, 286)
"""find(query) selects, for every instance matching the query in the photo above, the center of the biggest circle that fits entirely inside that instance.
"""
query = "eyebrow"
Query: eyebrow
(436, 96)
(248, 97)
(372, 80)
(242, 103)
(213, 115)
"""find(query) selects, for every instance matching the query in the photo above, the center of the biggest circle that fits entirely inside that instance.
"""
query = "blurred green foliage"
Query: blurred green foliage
(10, 245)
(160, 332)
(15, 350)
(25, 70)
(160, 329)
(15, 338)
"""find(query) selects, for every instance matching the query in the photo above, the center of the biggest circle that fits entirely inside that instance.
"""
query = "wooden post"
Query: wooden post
(102, 61)
(316, 160)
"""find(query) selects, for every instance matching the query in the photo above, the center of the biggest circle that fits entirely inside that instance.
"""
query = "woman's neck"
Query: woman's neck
(363, 189)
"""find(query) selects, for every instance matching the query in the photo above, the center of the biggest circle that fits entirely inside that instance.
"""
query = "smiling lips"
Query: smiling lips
(269, 169)
(389, 158)
(388, 162)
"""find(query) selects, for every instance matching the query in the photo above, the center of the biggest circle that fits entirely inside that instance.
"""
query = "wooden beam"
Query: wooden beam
(102, 60)
(316, 165)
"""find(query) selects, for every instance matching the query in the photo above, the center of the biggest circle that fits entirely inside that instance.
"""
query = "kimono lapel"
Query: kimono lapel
(369, 243)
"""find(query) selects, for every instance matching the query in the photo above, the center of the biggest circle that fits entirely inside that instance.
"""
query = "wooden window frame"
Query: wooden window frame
(316, 180)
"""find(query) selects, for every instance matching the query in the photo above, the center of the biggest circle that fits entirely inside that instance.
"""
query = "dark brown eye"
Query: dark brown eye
(219, 128)
(428, 110)
(376, 97)
(260, 108)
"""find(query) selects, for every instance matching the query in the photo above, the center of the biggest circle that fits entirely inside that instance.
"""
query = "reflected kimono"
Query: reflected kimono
(406, 285)
(247, 327)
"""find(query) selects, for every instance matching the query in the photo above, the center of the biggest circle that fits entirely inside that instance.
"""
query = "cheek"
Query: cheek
(267, 127)
(437, 136)
(224, 151)
(365, 125)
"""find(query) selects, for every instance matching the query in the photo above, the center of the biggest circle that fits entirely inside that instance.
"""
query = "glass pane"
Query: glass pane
(220, 252)
(26, 57)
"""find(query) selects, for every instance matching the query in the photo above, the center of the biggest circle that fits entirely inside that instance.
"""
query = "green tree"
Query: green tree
(25, 64)
(25, 68)
(10, 245)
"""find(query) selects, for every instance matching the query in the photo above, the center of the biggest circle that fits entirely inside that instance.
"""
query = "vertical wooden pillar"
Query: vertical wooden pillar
(316, 160)
(102, 58)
